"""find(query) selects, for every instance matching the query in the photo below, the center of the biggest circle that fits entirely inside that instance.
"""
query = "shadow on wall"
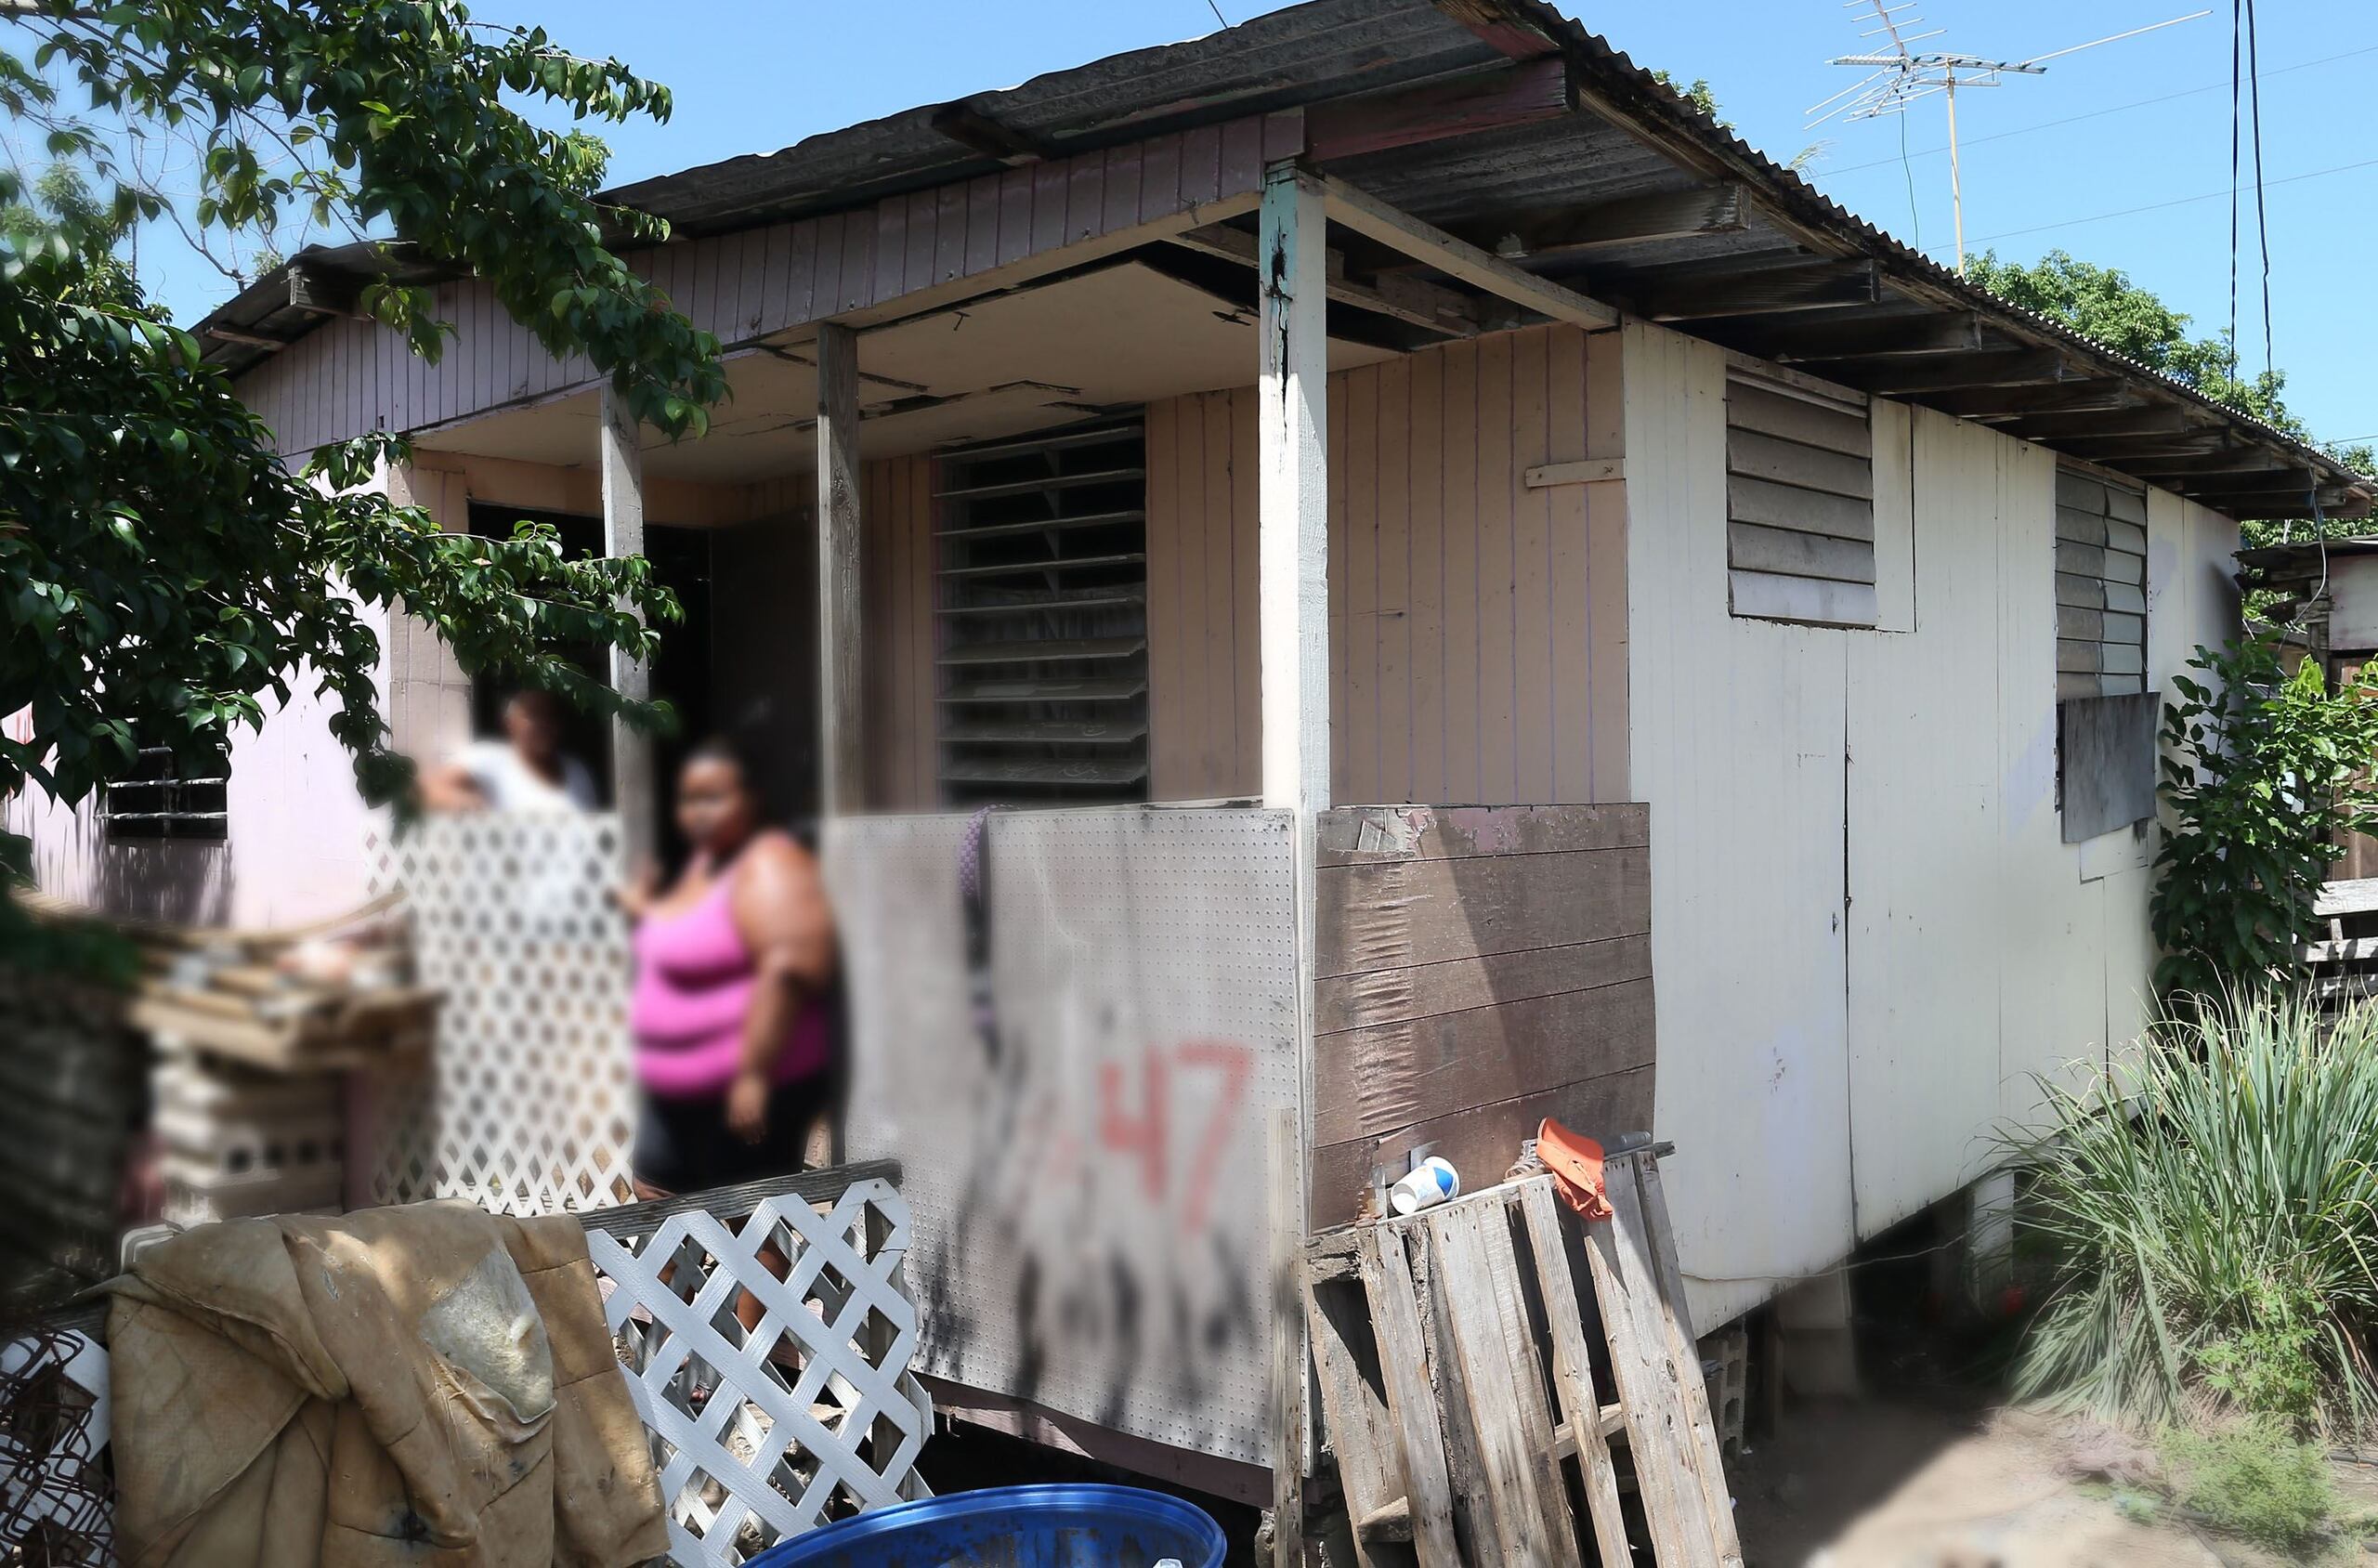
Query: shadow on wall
(182, 883)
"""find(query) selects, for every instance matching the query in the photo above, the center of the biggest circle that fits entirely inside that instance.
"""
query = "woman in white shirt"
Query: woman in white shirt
(525, 771)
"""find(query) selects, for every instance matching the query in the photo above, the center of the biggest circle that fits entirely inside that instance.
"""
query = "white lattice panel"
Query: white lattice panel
(813, 1415)
(1088, 1172)
(529, 1101)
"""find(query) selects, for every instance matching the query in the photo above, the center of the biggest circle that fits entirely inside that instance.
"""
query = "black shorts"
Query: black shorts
(684, 1145)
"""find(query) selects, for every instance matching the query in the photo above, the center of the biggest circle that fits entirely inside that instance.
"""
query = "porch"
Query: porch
(1159, 530)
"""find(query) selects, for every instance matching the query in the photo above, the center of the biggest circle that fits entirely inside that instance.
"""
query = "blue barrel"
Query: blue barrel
(1014, 1527)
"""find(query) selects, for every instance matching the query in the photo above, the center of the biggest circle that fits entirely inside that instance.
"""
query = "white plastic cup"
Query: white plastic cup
(1429, 1183)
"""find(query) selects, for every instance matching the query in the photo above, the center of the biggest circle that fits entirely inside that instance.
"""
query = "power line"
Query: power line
(2099, 113)
(2262, 212)
(2156, 207)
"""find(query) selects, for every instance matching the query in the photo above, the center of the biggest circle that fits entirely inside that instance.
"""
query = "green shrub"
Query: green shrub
(2261, 769)
(2210, 1216)
(2254, 1480)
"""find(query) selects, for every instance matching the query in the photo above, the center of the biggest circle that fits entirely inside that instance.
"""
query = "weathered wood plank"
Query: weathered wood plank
(1380, 1078)
(1768, 596)
(1392, 996)
(1411, 1402)
(1797, 418)
(1515, 94)
(1287, 1424)
(1641, 1171)
(1590, 471)
(1391, 914)
(1790, 463)
(1358, 835)
(1573, 1372)
(1788, 506)
(1476, 1276)
(2080, 493)
(1353, 1408)
(1750, 547)
(1627, 1288)
(2079, 592)
(2079, 526)
(2079, 658)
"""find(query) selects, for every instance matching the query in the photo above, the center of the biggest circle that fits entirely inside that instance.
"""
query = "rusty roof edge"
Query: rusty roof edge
(1800, 207)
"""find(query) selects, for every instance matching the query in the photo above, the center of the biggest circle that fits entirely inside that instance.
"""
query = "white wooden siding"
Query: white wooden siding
(1828, 1066)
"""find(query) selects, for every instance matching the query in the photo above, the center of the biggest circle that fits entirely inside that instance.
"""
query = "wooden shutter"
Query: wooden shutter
(2100, 586)
(1043, 619)
(1799, 501)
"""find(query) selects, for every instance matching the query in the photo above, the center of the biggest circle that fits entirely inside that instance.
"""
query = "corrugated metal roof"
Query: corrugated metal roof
(1640, 138)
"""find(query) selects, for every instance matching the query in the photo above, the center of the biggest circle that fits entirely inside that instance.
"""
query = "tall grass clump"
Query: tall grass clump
(2208, 1210)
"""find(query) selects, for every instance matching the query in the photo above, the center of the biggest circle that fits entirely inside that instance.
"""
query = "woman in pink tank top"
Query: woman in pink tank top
(734, 1038)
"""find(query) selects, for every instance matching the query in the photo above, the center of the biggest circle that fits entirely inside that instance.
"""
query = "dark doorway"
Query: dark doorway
(681, 674)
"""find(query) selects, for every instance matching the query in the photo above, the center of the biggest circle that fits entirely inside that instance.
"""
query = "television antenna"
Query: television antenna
(1899, 74)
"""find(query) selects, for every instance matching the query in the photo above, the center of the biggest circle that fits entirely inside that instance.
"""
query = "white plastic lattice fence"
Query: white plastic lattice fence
(809, 1415)
(812, 1416)
(528, 1104)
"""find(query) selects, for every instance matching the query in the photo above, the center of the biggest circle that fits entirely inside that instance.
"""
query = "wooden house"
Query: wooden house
(1482, 597)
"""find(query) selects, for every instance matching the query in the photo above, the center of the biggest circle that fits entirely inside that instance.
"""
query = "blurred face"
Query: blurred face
(532, 722)
(715, 811)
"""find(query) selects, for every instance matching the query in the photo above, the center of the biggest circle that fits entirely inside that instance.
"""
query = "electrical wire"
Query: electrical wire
(2237, 36)
(1216, 10)
(1914, 219)
(2101, 113)
(2262, 213)
(2151, 206)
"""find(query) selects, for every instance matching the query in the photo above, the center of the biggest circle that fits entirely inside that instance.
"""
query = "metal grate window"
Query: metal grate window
(1799, 503)
(161, 799)
(1043, 619)
(2100, 586)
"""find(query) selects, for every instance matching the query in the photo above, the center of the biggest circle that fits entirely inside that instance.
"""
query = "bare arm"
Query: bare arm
(779, 907)
(451, 788)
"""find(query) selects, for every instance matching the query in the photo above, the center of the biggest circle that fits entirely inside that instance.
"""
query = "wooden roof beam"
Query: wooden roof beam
(1458, 259)
(2336, 500)
(2232, 459)
(1949, 373)
(1628, 220)
(1817, 285)
(2134, 449)
(2168, 418)
(2075, 395)
(1841, 338)
(1514, 94)
(1414, 301)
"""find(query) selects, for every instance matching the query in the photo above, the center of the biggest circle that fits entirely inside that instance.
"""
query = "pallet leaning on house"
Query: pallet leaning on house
(1458, 1371)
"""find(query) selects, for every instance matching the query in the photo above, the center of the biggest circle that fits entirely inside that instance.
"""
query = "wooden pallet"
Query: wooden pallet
(1462, 1370)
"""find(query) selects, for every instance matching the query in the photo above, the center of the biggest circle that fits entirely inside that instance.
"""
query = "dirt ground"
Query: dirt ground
(1881, 1484)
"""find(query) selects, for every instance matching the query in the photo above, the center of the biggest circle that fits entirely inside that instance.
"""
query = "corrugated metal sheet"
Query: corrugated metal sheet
(1639, 138)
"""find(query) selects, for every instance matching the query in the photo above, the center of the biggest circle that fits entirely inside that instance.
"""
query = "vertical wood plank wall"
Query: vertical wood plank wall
(1866, 932)
(352, 376)
(897, 588)
(1478, 627)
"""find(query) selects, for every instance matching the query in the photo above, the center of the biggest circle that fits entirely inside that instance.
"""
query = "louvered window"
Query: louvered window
(1799, 503)
(2100, 586)
(164, 798)
(1043, 619)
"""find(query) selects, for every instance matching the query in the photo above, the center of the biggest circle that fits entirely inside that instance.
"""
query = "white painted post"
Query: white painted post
(632, 792)
(840, 762)
(1292, 573)
(1292, 533)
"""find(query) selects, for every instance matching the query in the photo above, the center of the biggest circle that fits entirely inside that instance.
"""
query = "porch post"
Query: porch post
(840, 771)
(1292, 572)
(622, 465)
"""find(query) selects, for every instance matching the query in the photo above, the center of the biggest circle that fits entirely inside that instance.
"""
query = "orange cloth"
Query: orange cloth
(1575, 1163)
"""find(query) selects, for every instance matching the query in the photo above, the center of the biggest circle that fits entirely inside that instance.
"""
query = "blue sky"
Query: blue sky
(754, 75)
